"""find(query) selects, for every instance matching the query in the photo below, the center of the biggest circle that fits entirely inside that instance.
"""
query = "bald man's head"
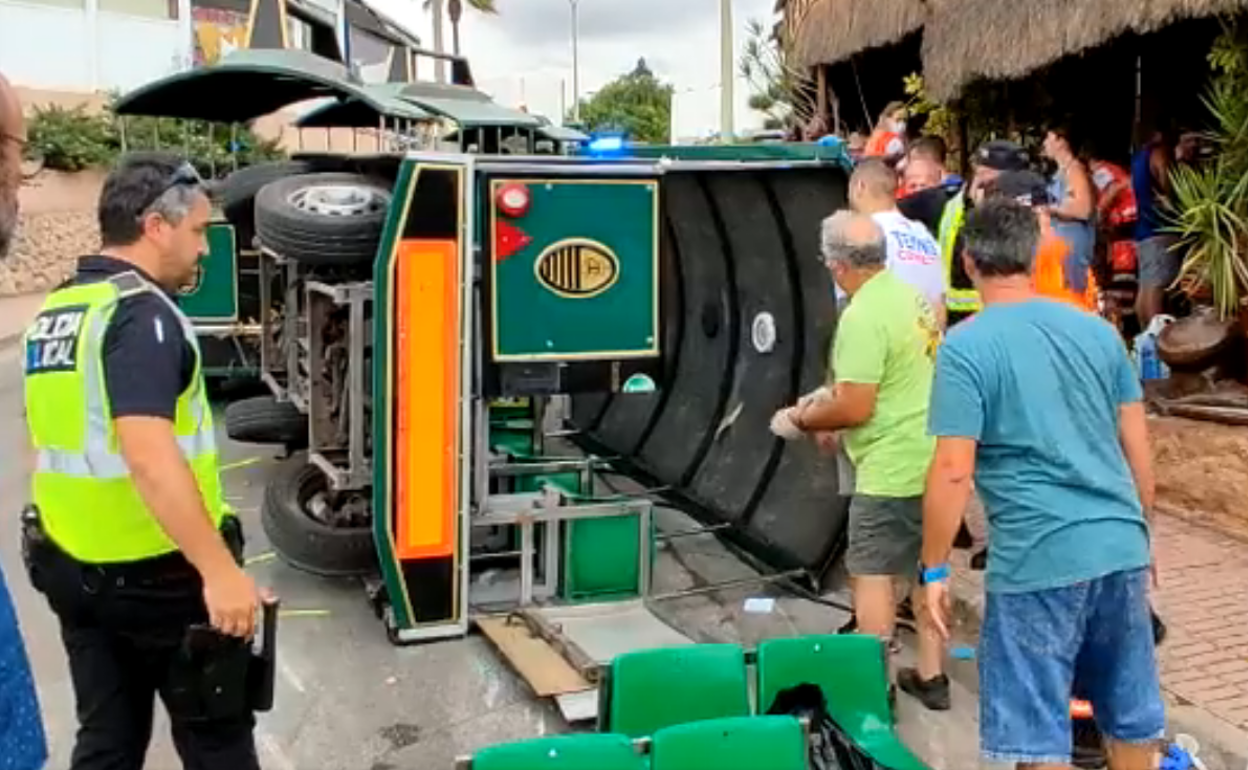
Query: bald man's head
(12, 139)
(873, 187)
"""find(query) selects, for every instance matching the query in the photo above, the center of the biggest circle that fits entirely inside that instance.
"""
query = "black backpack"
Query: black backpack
(830, 747)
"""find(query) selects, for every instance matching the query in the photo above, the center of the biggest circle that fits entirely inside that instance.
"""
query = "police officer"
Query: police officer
(132, 544)
(991, 160)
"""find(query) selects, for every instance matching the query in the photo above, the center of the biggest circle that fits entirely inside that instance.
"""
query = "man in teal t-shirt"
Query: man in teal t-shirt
(882, 364)
(1038, 401)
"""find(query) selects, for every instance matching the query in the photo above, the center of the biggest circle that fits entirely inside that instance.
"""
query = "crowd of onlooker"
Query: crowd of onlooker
(1101, 220)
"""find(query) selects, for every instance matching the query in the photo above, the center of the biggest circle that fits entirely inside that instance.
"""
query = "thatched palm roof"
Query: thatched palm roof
(964, 40)
(827, 31)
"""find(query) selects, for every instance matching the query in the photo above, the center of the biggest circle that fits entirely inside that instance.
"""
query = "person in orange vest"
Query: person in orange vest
(1049, 276)
(887, 140)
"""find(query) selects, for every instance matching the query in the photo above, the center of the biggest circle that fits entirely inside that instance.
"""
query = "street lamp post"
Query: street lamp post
(576, 68)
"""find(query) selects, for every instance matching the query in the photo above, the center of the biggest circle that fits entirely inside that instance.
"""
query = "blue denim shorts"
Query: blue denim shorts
(1035, 645)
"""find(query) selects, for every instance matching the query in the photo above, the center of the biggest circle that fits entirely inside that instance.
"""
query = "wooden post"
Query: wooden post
(821, 97)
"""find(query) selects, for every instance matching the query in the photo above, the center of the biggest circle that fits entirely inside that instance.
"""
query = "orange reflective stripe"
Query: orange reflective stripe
(428, 362)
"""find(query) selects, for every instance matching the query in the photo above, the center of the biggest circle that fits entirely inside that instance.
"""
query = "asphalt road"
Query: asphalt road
(348, 700)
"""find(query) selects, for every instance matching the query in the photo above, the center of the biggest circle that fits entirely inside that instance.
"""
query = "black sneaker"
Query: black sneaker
(933, 693)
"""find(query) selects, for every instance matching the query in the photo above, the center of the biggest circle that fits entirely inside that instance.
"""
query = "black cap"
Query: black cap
(1001, 155)
(1026, 187)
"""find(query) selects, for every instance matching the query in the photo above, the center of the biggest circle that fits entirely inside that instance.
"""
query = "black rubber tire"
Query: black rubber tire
(236, 194)
(314, 238)
(303, 542)
(265, 420)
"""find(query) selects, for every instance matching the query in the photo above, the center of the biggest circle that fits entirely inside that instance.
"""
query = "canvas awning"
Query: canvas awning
(245, 85)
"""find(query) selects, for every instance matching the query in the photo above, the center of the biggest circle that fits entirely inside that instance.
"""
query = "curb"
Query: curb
(10, 339)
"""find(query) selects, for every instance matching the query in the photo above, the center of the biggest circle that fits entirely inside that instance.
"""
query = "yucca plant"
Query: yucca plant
(1209, 204)
(1211, 224)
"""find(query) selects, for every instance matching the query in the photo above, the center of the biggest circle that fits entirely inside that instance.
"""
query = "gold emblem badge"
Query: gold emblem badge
(577, 268)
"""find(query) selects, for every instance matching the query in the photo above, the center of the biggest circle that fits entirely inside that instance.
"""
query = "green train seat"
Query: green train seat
(737, 743)
(852, 672)
(648, 690)
(599, 751)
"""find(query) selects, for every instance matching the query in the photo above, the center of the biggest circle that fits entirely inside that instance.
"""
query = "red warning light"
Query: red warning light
(514, 199)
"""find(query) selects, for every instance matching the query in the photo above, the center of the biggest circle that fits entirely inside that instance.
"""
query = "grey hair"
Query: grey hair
(853, 239)
(175, 203)
(1001, 236)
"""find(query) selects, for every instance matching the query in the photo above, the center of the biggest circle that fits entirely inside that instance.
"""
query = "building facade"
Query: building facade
(78, 51)
(88, 46)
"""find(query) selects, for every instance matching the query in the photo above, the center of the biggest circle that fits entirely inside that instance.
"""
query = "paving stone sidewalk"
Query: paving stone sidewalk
(1202, 596)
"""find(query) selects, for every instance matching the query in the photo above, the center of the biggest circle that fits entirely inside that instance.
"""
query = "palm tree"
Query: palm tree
(455, 10)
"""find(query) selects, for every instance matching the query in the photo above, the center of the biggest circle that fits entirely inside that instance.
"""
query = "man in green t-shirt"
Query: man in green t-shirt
(880, 382)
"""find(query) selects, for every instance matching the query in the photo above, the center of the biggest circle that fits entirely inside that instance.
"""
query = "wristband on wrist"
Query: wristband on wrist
(938, 574)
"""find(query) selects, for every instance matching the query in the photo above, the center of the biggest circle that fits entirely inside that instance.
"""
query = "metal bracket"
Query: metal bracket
(339, 411)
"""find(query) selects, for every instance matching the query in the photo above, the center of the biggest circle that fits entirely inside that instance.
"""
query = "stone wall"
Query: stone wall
(56, 226)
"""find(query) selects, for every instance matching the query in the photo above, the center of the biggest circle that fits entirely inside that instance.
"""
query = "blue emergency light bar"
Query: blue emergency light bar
(606, 146)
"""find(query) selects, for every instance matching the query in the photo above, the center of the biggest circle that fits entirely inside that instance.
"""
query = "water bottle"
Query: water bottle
(1148, 361)
(1146, 355)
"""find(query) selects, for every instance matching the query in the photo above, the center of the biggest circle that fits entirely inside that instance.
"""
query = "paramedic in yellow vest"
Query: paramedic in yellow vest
(991, 160)
(130, 536)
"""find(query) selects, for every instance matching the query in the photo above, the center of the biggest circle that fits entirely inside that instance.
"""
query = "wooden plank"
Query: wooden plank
(533, 658)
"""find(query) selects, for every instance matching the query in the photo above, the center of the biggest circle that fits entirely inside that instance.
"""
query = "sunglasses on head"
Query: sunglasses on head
(184, 175)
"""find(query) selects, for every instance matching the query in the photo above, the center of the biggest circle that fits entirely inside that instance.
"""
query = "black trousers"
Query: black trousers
(123, 629)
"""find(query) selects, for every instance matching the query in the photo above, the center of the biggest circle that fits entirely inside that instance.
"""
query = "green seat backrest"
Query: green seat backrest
(849, 668)
(653, 689)
(852, 672)
(740, 743)
(591, 751)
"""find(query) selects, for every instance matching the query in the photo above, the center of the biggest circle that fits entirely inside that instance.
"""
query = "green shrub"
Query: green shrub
(72, 139)
(75, 139)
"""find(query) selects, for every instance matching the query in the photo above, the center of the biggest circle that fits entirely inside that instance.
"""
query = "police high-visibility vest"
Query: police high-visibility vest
(951, 219)
(88, 503)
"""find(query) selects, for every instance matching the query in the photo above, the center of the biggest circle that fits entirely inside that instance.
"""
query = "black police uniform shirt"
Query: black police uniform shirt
(148, 361)
(927, 207)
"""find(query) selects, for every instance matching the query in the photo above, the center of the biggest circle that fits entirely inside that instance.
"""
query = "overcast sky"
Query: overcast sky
(524, 54)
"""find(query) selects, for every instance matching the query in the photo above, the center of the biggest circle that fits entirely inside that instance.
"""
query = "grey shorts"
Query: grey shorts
(885, 535)
(1159, 264)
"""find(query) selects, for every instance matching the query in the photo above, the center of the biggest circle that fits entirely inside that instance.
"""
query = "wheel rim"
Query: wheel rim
(316, 504)
(340, 200)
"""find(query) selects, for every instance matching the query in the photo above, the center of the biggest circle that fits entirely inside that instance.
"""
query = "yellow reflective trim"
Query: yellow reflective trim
(90, 505)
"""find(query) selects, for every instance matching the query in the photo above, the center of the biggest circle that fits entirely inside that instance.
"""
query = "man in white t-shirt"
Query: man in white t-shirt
(913, 254)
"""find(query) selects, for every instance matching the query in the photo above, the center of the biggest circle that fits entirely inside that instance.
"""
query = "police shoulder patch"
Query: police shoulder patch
(53, 340)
